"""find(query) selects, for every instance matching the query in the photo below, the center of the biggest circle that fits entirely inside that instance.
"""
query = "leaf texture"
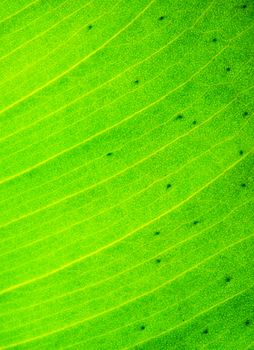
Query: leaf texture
(126, 181)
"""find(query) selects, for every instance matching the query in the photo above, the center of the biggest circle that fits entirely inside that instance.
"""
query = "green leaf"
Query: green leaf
(126, 174)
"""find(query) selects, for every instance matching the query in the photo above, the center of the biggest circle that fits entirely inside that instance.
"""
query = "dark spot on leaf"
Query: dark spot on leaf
(90, 27)
(244, 6)
(157, 233)
(179, 117)
(109, 154)
(194, 122)
(245, 114)
(195, 222)
(168, 186)
(142, 327)
(228, 69)
(214, 40)
(243, 185)
(161, 18)
(136, 81)
(158, 261)
(241, 152)
(247, 322)
(228, 279)
(205, 331)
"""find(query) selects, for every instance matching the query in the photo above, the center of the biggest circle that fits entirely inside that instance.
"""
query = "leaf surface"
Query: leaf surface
(126, 178)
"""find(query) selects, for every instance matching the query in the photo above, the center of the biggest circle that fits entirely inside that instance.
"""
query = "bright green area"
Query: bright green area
(126, 185)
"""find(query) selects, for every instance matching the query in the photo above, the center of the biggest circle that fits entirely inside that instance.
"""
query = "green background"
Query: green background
(126, 182)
